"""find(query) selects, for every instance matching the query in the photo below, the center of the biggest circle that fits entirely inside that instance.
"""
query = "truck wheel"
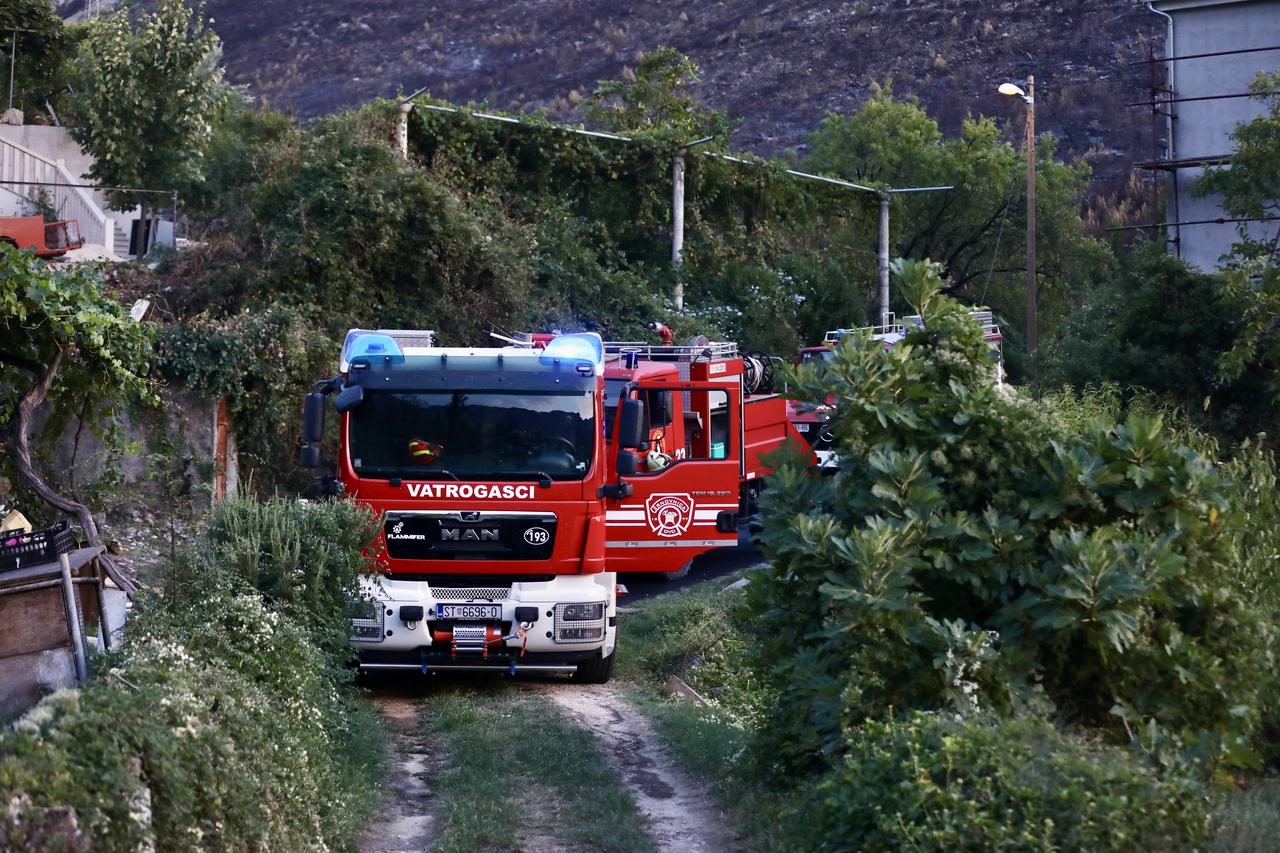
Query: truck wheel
(679, 573)
(596, 670)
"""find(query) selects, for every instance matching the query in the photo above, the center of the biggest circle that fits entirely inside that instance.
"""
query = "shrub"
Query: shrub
(972, 554)
(221, 721)
(303, 557)
(935, 782)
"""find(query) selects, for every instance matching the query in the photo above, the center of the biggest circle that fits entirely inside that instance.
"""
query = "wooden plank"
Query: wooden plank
(26, 678)
(33, 621)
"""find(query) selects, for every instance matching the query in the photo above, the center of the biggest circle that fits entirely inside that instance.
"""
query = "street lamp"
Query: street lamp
(1029, 98)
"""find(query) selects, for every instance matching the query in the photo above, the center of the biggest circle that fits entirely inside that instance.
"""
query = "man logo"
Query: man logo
(470, 534)
(399, 526)
(669, 515)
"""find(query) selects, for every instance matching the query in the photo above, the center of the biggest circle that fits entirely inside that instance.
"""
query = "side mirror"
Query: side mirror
(313, 417)
(309, 456)
(626, 464)
(631, 424)
(348, 398)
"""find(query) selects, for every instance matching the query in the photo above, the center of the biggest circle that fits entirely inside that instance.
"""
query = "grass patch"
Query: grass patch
(697, 634)
(1249, 821)
(700, 635)
(516, 768)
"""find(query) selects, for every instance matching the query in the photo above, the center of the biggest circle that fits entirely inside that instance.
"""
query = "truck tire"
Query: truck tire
(596, 670)
(679, 573)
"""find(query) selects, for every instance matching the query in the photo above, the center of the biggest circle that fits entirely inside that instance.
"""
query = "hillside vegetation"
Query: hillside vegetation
(779, 67)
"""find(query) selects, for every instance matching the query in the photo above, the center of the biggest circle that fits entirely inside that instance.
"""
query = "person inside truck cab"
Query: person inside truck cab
(423, 452)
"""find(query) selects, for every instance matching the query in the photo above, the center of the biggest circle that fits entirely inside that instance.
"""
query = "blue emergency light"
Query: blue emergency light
(372, 344)
(584, 348)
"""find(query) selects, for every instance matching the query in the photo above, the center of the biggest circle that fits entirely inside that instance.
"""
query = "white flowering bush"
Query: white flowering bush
(221, 724)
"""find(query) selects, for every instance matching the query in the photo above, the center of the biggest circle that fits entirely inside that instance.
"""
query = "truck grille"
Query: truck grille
(470, 593)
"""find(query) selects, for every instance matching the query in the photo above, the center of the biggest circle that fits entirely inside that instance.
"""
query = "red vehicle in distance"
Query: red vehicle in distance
(811, 421)
(47, 239)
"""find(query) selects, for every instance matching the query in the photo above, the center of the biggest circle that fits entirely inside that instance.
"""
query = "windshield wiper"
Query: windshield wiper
(442, 472)
(544, 479)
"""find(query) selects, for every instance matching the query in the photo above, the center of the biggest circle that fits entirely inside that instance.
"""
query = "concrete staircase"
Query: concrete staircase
(36, 177)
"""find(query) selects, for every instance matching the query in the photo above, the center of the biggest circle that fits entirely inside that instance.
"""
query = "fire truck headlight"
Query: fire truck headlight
(579, 623)
(367, 621)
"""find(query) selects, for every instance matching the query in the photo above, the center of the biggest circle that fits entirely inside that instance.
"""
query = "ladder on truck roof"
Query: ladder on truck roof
(674, 352)
(646, 350)
(990, 329)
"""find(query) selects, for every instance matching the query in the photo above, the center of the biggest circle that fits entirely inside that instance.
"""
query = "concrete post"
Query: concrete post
(402, 130)
(884, 259)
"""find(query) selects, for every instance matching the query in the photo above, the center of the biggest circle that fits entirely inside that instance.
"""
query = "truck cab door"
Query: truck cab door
(681, 508)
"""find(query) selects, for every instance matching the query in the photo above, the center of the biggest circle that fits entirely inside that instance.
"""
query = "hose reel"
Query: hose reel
(757, 372)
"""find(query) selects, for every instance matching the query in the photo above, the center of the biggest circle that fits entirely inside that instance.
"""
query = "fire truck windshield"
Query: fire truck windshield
(470, 435)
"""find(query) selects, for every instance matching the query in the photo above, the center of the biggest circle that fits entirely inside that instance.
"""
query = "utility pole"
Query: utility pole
(677, 224)
(1032, 332)
(1029, 98)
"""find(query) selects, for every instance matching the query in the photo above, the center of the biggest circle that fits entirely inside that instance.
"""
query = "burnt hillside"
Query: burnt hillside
(778, 66)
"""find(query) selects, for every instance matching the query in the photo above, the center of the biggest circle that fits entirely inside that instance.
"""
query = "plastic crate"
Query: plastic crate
(19, 550)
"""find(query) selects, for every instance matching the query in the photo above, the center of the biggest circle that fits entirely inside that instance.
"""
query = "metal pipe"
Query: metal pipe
(72, 607)
(884, 259)
(919, 189)
(85, 187)
(495, 668)
(30, 587)
(1219, 221)
(13, 53)
(1032, 330)
(509, 120)
(1171, 148)
(1202, 98)
(1202, 55)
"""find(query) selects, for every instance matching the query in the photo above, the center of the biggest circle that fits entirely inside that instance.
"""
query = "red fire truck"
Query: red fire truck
(512, 491)
(811, 421)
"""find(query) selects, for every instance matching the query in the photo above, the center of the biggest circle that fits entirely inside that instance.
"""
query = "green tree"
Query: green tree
(145, 100)
(1249, 184)
(65, 343)
(972, 554)
(1160, 326)
(42, 49)
(975, 230)
(658, 97)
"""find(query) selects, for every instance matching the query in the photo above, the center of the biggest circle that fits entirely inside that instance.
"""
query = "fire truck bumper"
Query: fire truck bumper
(544, 626)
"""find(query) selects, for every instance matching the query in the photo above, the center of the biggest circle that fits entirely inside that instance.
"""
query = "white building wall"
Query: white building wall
(1203, 128)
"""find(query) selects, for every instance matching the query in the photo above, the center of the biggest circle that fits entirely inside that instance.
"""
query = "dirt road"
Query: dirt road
(681, 812)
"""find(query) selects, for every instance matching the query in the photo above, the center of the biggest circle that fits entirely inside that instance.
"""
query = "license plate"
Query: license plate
(802, 427)
(482, 612)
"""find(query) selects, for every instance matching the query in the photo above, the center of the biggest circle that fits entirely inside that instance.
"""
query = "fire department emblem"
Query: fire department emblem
(669, 515)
